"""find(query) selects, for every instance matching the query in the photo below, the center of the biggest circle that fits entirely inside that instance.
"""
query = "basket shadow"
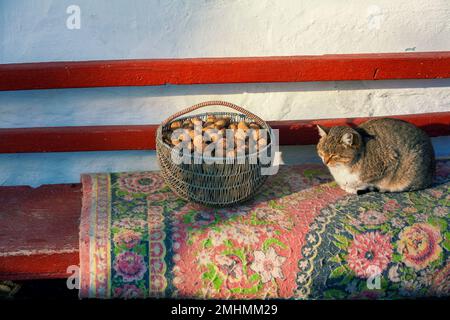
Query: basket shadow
(268, 193)
(279, 187)
(272, 190)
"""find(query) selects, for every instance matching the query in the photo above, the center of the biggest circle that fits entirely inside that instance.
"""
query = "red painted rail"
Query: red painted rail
(383, 66)
(39, 231)
(142, 137)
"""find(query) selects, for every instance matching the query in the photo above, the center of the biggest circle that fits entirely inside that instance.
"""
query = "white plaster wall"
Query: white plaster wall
(151, 105)
(35, 30)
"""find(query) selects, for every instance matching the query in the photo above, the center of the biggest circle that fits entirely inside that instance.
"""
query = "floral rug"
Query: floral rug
(301, 238)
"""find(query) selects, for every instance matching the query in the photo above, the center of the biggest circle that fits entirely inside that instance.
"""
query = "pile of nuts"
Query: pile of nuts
(219, 136)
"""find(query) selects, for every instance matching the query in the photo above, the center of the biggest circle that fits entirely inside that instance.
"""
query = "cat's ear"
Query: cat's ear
(348, 139)
(323, 131)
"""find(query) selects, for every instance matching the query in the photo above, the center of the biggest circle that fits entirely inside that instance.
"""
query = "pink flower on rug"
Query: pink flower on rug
(436, 193)
(409, 210)
(140, 182)
(441, 211)
(130, 266)
(156, 234)
(369, 251)
(270, 215)
(397, 222)
(128, 291)
(421, 217)
(158, 283)
(244, 234)
(268, 265)
(372, 217)
(391, 205)
(419, 245)
(128, 238)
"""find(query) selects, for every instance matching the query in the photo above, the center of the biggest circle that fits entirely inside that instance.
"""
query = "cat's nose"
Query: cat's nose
(326, 160)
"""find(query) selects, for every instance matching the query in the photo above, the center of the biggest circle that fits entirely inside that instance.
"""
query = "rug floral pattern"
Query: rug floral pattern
(302, 237)
(379, 246)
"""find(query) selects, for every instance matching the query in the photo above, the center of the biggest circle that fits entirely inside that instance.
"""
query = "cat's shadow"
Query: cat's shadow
(439, 179)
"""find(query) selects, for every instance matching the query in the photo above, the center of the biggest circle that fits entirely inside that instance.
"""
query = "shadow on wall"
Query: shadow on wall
(239, 88)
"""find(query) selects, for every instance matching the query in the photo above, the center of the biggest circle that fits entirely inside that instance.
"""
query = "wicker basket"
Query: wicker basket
(216, 184)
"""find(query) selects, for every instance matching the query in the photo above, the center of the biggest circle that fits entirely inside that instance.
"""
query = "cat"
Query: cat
(387, 155)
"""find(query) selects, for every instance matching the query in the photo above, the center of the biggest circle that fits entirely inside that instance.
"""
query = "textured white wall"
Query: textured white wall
(151, 105)
(35, 30)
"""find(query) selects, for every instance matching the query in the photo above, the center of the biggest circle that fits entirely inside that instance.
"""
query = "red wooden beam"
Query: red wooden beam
(62, 139)
(142, 137)
(299, 132)
(52, 75)
(39, 231)
(38, 266)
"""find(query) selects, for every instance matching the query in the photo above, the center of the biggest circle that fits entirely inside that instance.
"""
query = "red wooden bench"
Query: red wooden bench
(39, 227)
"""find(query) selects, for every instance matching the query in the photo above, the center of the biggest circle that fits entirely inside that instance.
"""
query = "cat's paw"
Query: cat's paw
(350, 190)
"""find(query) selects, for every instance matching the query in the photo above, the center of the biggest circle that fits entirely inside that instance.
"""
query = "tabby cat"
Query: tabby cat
(387, 155)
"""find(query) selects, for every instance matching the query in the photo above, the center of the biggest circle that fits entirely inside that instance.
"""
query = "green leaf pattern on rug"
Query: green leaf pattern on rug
(381, 246)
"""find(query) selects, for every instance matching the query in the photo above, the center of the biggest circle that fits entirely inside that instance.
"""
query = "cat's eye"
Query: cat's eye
(338, 158)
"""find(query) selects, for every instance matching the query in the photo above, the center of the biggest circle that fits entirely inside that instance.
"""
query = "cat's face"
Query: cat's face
(338, 145)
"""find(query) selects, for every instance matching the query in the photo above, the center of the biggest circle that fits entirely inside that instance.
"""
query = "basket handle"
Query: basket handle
(257, 119)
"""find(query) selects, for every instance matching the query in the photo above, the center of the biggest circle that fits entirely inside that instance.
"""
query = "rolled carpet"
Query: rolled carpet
(302, 237)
